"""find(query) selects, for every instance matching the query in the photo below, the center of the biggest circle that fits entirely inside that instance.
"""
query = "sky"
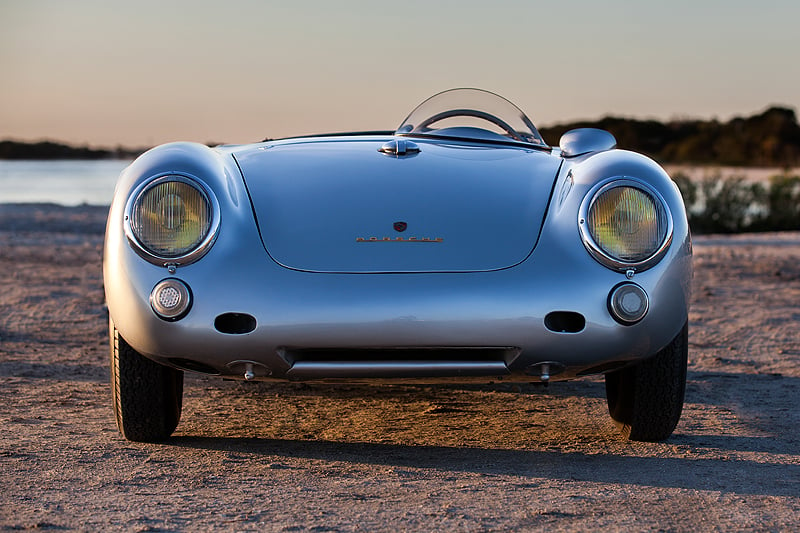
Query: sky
(144, 72)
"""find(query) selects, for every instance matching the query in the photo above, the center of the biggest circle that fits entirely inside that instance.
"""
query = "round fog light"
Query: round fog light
(628, 303)
(170, 299)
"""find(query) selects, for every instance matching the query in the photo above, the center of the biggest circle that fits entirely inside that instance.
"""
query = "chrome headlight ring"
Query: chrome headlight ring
(660, 216)
(204, 241)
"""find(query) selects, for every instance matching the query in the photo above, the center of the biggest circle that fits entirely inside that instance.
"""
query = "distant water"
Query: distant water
(63, 182)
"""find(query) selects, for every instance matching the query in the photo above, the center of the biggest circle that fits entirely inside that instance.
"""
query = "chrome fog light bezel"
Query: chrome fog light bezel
(192, 255)
(597, 252)
(179, 290)
(616, 304)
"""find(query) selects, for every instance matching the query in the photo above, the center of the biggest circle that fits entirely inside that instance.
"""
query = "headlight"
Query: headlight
(625, 224)
(172, 219)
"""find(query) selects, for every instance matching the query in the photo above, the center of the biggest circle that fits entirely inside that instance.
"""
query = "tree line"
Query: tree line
(768, 139)
(46, 150)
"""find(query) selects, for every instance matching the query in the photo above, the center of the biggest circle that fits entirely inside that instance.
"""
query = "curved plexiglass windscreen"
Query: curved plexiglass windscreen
(470, 114)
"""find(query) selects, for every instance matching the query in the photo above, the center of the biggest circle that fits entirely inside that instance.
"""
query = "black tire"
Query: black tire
(646, 399)
(147, 396)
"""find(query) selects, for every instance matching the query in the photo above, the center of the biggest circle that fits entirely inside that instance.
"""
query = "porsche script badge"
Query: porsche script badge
(399, 239)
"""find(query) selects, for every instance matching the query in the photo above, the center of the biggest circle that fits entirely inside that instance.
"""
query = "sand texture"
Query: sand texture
(286, 457)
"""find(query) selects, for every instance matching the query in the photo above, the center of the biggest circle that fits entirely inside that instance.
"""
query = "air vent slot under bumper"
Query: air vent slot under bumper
(361, 363)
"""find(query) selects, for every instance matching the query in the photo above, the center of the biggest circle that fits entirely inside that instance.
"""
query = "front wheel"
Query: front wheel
(646, 399)
(147, 396)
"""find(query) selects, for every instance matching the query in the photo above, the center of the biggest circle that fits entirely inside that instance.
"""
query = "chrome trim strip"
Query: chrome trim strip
(594, 249)
(303, 370)
(202, 248)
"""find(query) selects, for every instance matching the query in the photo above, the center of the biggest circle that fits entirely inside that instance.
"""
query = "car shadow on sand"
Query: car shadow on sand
(79, 373)
(753, 457)
(735, 476)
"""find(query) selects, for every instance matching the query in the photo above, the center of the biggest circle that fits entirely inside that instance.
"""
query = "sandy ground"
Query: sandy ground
(321, 458)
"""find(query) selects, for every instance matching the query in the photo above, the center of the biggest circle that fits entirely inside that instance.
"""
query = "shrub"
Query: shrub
(783, 202)
(687, 187)
(731, 204)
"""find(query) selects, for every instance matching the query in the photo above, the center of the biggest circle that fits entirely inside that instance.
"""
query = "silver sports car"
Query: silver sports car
(460, 247)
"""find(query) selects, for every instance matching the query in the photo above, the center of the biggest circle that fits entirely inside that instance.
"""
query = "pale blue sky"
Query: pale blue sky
(145, 72)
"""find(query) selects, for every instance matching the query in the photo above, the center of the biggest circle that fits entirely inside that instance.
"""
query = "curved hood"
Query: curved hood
(340, 205)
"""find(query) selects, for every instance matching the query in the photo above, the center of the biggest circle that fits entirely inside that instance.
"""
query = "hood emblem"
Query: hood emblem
(399, 226)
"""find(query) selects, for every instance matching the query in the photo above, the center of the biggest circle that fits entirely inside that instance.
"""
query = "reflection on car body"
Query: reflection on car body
(458, 248)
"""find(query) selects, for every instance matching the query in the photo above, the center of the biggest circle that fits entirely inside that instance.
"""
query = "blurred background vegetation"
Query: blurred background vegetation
(731, 204)
(715, 203)
(49, 150)
(768, 139)
(720, 203)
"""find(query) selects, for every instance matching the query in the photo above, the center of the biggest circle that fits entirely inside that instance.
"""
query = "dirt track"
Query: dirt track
(321, 458)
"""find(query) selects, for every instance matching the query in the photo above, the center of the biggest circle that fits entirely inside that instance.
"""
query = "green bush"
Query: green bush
(731, 204)
(783, 201)
(688, 189)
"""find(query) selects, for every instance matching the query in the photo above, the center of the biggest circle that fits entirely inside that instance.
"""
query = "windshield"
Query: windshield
(470, 114)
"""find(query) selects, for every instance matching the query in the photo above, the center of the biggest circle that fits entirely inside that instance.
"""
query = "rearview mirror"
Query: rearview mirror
(585, 140)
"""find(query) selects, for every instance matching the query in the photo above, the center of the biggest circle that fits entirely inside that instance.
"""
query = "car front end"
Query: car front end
(423, 255)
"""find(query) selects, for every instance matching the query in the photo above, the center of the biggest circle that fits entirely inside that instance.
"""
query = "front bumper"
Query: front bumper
(464, 326)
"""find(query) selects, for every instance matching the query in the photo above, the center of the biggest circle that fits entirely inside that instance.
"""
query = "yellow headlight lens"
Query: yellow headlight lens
(171, 218)
(627, 223)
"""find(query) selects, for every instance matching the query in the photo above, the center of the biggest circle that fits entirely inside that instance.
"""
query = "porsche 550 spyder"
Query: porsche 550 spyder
(460, 247)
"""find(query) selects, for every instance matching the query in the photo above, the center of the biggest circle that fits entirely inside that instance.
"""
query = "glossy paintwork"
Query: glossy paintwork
(330, 206)
(297, 309)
